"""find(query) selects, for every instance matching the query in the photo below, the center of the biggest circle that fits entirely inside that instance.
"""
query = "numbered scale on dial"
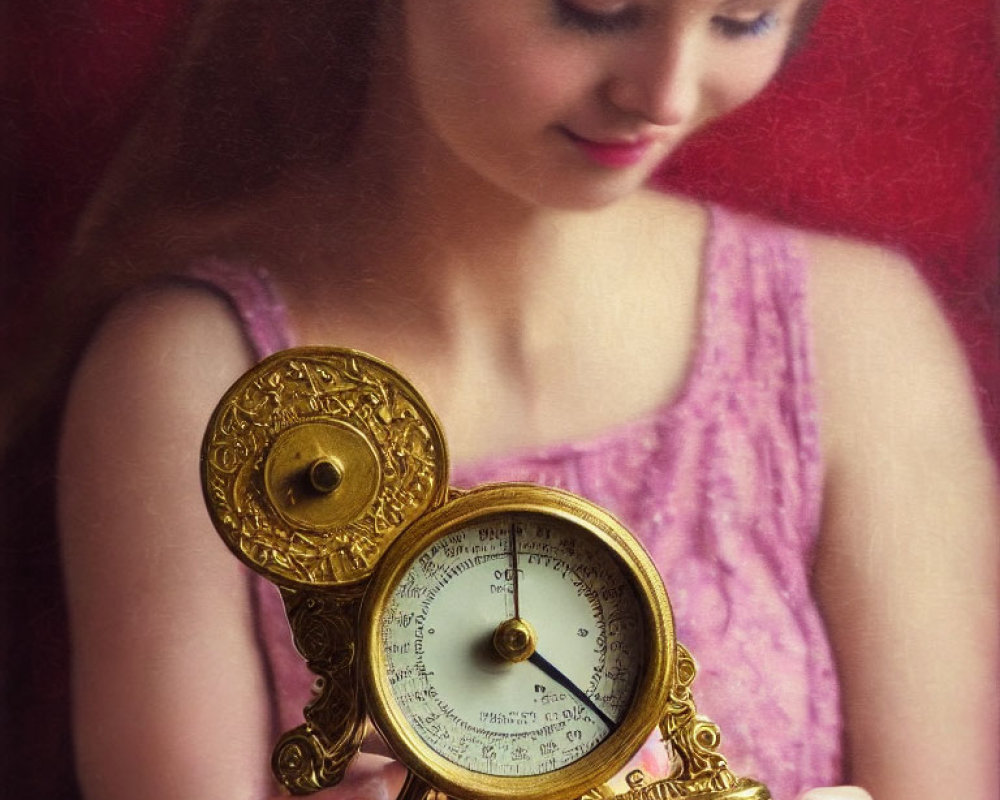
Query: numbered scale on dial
(517, 632)
(511, 641)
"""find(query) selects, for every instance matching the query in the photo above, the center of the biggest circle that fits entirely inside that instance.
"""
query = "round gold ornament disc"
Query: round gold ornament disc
(315, 460)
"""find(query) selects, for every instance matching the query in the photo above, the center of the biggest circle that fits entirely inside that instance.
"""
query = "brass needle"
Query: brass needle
(513, 552)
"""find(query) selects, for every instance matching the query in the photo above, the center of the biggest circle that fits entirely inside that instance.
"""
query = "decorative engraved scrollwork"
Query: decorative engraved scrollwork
(364, 414)
(699, 771)
(312, 464)
(316, 755)
(602, 792)
(692, 739)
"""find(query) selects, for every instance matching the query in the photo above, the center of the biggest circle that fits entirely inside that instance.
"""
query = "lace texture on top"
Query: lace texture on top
(722, 486)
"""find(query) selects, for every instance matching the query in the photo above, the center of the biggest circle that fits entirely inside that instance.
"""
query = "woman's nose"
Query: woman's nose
(657, 83)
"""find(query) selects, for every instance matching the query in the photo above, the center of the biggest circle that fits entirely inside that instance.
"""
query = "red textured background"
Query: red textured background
(884, 127)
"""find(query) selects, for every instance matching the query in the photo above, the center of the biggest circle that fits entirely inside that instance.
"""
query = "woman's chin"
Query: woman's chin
(592, 195)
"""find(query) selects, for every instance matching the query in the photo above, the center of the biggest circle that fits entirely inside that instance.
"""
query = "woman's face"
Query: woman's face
(573, 103)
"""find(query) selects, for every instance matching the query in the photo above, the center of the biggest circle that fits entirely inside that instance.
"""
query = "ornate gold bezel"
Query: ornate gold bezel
(381, 446)
(652, 690)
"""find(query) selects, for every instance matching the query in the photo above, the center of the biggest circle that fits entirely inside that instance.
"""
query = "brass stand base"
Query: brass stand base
(667, 789)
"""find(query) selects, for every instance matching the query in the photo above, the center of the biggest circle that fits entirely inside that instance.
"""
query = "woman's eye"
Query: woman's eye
(571, 15)
(735, 28)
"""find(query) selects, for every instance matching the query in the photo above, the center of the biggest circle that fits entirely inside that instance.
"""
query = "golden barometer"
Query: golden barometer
(516, 633)
(509, 641)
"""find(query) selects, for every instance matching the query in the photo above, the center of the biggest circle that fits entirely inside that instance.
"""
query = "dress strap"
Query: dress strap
(755, 322)
(755, 368)
(252, 295)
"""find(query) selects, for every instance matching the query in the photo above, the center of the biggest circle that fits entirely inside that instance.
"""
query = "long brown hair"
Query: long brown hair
(261, 88)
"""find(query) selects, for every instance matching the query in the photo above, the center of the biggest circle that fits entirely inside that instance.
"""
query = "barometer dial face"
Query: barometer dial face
(516, 648)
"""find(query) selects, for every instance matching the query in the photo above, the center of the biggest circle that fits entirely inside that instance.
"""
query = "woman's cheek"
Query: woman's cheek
(737, 80)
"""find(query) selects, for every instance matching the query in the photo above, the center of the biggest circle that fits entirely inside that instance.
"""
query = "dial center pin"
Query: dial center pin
(515, 640)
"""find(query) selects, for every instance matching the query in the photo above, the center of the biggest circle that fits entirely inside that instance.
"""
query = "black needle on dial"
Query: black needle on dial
(553, 672)
(535, 657)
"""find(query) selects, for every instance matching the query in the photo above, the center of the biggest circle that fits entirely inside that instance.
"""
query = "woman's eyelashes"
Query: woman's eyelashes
(570, 14)
(735, 28)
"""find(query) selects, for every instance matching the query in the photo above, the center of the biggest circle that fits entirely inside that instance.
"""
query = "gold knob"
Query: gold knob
(313, 488)
(515, 640)
(325, 475)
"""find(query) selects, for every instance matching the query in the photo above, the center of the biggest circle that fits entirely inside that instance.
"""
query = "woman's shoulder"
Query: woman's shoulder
(870, 305)
(185, 312)
(161, 352)
(149, 585)
(888, 361)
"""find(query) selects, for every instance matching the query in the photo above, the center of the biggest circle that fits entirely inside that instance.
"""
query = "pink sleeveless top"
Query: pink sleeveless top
(722, 486)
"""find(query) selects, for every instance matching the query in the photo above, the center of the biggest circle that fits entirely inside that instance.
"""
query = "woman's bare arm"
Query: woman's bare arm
(906, 569)
(169, 691)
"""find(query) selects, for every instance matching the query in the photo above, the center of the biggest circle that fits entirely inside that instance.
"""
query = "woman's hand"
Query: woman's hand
(836, 793)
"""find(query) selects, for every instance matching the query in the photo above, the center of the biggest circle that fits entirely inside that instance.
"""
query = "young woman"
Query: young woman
(783, 418)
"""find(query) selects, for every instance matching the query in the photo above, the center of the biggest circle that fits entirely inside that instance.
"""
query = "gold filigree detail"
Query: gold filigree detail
(693, 740)
(379, 431)
(642, 788)
(699, 771)
(602, 792)
(316, 755)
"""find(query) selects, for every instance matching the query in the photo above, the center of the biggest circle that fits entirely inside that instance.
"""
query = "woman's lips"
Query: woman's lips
(613, 153)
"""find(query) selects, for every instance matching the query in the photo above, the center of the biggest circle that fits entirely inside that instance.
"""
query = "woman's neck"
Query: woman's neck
(405, 252)
(523, 309)
(402, 222)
